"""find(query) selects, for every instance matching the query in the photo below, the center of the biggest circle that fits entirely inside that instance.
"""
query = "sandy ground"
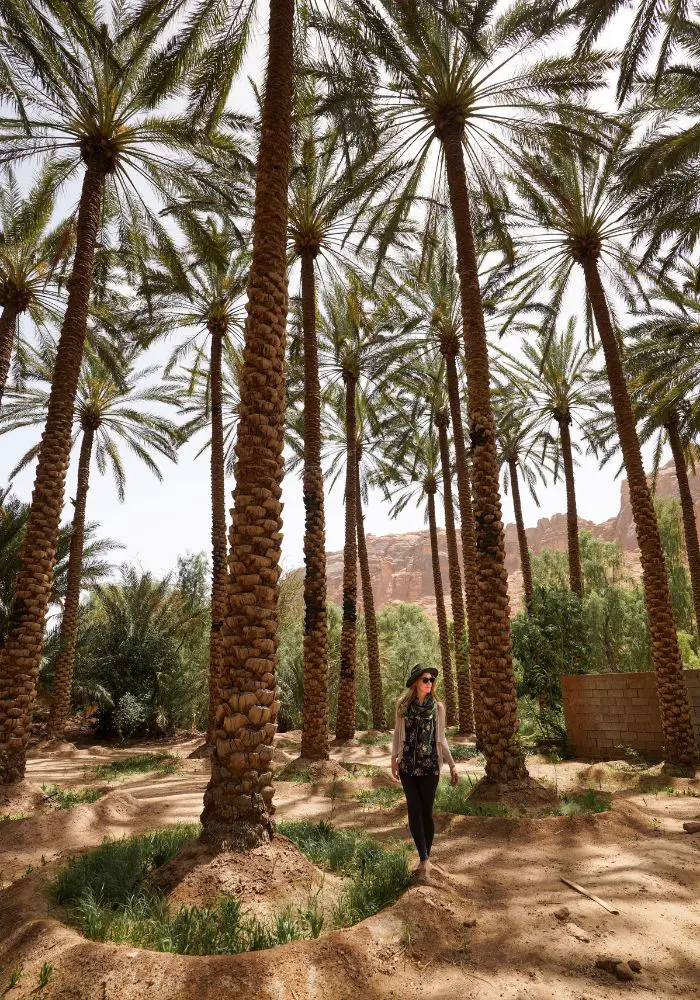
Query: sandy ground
(486, 926)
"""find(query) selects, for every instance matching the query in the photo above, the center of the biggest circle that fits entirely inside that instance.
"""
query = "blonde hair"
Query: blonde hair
(409, 695)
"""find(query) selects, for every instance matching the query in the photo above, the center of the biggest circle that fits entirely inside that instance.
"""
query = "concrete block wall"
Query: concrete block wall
(604, 712)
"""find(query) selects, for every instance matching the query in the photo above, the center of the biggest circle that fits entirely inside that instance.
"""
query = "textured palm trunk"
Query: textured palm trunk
(440, 611)
(504, 756)
(373, 662)
(314, 725)
(238, 805)
(467, 532)
(465, 713)
(674, 708)
(65, 661)
(525, 565)
(8, 324)
(219, 553)
(690, 528)
(20, 657)
(575, 572)
(345, 720)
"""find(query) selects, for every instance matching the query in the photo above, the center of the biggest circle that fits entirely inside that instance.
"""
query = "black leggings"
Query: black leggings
(420, 795)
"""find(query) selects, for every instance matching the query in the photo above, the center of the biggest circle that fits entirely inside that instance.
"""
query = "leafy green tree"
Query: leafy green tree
(77, 81)
(107, 410)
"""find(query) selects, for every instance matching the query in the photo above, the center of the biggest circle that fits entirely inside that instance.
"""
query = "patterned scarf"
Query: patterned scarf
(423, 716)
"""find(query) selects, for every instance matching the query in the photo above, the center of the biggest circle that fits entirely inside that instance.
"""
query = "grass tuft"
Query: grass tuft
(455, 799)
(692, 793)
(68, 798)
(462, 752)
(576, 803)
(385, 797)
(374, 740)
(140, 763)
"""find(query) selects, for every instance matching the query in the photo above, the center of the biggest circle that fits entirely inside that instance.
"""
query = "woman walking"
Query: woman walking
(418, 751)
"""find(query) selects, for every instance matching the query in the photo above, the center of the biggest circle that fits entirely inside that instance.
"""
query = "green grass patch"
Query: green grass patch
(377, 875)
(140, 763)
(296, 776)
(462, 752)
(374, 740)
(107, 895)
(12, 817)
(576, 803)
(68, 798)
(455, 799)
(364, 770)
(386, 797)
(691, 793)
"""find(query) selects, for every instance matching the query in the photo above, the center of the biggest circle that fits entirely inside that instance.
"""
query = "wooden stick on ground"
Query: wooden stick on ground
(596, 899)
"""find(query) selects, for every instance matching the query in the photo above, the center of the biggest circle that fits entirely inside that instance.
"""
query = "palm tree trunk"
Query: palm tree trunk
(314, 725)
(690, 528)
(466, 516)
(217, 330)
(65, 661)
(440, 612)
(8, 324)
(575, 572)
(676, 722)
(21, 655)
(522, 534)
(465, 713)
(373, 661)
(504, 756)
(345, 720)
(238, 800)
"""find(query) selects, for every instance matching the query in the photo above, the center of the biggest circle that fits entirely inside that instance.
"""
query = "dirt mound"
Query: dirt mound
(318, 770)
(522, 795)
(24, 797)
(203, 750)
(266, 879)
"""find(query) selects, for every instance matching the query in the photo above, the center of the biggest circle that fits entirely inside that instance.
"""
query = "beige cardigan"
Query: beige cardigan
(440, 738)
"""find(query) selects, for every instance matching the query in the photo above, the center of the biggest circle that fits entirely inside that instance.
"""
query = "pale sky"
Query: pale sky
(159, 521)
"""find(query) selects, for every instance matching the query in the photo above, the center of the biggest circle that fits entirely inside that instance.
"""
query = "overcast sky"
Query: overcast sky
(159, 521)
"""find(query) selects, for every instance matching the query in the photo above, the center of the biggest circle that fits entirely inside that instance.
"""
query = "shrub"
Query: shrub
(455, 799)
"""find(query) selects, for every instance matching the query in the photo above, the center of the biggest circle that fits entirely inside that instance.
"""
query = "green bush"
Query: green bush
(455, 799)
(67, 798)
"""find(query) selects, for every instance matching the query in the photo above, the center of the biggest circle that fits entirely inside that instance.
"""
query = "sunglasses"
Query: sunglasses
(427, 680)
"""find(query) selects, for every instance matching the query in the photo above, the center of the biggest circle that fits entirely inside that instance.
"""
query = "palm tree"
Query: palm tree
(556, 374)
(81, 91)
(371, 631)
(203, 296)
(31, 254)
(238, 800)
(411, 473)
(442, 72)
(326, 200)
(13, 522)
(574, 214)
(106, 410)
(517, 444)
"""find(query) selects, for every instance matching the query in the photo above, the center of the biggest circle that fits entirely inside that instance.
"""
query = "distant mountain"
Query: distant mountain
(402, 569)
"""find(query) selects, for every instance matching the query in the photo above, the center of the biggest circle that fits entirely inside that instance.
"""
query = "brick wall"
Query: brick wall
(607, 711)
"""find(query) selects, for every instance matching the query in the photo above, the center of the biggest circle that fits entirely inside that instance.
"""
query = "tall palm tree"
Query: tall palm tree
(106, 410)
(202, 295)
(411, 473)
(556, 374)
(326, 200)
(356, 352)
(518, 443)
(461, 76)
(31, 254)
(80, 88)
(238, 800)
(573, 214)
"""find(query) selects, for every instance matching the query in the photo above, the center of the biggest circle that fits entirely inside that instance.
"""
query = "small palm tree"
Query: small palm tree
(79, 80)
(518, 447)
(574, 213)
(556, 374)
(31, 254)
(106, 410)
(411, 475)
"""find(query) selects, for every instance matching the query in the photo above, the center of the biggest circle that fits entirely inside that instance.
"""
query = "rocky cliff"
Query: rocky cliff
(401, 564)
